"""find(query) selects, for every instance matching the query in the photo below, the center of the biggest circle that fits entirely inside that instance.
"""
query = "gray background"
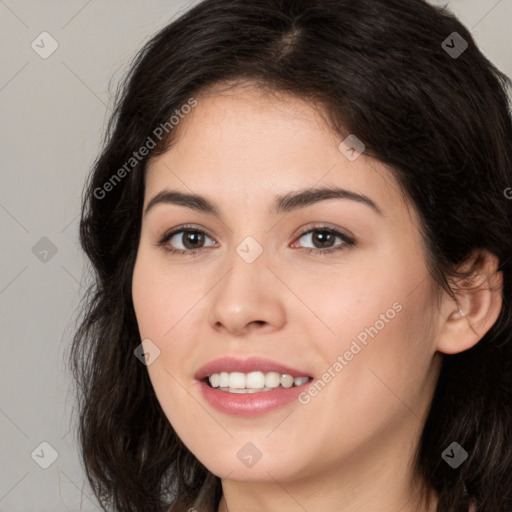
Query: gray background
(53, 114)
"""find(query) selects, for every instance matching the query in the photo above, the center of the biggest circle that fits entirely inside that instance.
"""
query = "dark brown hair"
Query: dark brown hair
(441, 122)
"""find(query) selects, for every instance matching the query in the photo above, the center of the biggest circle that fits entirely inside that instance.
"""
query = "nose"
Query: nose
(248, 298)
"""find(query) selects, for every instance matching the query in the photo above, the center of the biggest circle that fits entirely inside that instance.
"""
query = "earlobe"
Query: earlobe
(477, 308)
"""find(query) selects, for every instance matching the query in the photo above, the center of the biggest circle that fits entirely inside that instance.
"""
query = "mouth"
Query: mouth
(253, 382)
(253, 375)
(250, 387)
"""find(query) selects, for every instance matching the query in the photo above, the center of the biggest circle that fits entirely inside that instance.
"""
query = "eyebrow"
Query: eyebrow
(282, 204)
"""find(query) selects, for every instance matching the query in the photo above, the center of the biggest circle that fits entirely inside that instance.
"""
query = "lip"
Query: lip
(253, 364)
(248, 404)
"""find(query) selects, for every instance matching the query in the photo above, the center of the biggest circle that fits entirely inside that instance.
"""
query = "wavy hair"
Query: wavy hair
(380, 69)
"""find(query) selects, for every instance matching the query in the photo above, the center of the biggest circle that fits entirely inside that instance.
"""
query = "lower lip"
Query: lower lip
(250, 404)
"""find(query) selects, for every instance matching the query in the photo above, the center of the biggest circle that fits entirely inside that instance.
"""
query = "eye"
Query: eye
(190, 238)
(324, 237)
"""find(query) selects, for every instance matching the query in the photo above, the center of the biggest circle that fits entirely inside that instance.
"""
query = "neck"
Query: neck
(248, 501)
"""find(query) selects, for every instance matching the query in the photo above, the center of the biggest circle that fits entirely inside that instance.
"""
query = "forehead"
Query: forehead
(243, 140)
(243, 121)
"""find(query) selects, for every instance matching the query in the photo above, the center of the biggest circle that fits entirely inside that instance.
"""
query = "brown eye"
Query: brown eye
(324, 238)
(190, 239)
(184, 240)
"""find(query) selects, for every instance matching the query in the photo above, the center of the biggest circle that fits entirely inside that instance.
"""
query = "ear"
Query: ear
(479, 300)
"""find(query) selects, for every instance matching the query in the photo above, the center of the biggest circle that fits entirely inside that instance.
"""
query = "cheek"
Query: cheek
(382, 339)
(166, 310)
(377, 373)
(161, 308)
(158, 297)
(386, 364)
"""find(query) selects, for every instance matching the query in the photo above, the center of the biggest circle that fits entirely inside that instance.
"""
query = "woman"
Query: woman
(301, 237)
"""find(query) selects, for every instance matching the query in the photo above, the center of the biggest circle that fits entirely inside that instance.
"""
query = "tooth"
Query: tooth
(298, 381)
(224, 379)
(272, 380)
(286, 381)
(255, 380)
(237, 380)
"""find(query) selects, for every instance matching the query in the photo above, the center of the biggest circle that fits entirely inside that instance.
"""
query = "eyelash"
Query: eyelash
(348, 241)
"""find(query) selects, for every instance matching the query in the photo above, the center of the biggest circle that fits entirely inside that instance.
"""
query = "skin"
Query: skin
(350, 448)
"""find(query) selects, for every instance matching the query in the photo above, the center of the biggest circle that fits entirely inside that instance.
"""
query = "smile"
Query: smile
(253, 382)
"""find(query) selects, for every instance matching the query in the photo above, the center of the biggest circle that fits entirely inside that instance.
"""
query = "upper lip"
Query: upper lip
(253, 364)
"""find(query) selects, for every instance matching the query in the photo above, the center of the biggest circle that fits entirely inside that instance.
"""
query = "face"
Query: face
(332, 288)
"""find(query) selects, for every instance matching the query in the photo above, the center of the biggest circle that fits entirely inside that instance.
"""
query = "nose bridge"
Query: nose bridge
(245, 295)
